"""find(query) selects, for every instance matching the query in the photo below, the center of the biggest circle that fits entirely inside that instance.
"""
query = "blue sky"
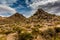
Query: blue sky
(28, 7)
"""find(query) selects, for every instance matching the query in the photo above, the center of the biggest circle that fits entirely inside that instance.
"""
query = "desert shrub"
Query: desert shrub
(35, 30)
(56, 38)
(5, 30)
(51, 32)
(39, 26)
(57, 29)
(2, 37)
(28, 26)
(15, 28)
(9, 29)
(25, 36)
(48, 34)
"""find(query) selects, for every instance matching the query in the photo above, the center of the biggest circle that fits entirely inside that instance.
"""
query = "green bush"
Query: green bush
(51, 32)
(25, 36)
(57, 29)
(38, 26)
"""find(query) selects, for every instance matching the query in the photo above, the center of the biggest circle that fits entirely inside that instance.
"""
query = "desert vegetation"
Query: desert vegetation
(40, 26)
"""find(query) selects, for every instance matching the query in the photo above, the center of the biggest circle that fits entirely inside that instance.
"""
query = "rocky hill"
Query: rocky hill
(17, 17)
(12, 19)
(44, 18)
(40, 26)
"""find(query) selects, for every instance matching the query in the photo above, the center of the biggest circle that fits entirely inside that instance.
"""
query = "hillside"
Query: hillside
(44, 18)
(17, 17)
(40, 26)
(12, 19)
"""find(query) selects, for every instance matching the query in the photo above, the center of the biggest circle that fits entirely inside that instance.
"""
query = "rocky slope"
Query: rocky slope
(43, 17)
(40, 26)
(17, 17)
(12, 19)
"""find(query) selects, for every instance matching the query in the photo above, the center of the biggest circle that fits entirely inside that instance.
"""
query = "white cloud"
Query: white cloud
(7, 2)
(6, 10)
(36, 3)
(30, 13)
(54, 10)
(27, 2)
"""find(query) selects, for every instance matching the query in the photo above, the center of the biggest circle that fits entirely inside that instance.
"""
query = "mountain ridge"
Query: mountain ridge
(39, 16)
